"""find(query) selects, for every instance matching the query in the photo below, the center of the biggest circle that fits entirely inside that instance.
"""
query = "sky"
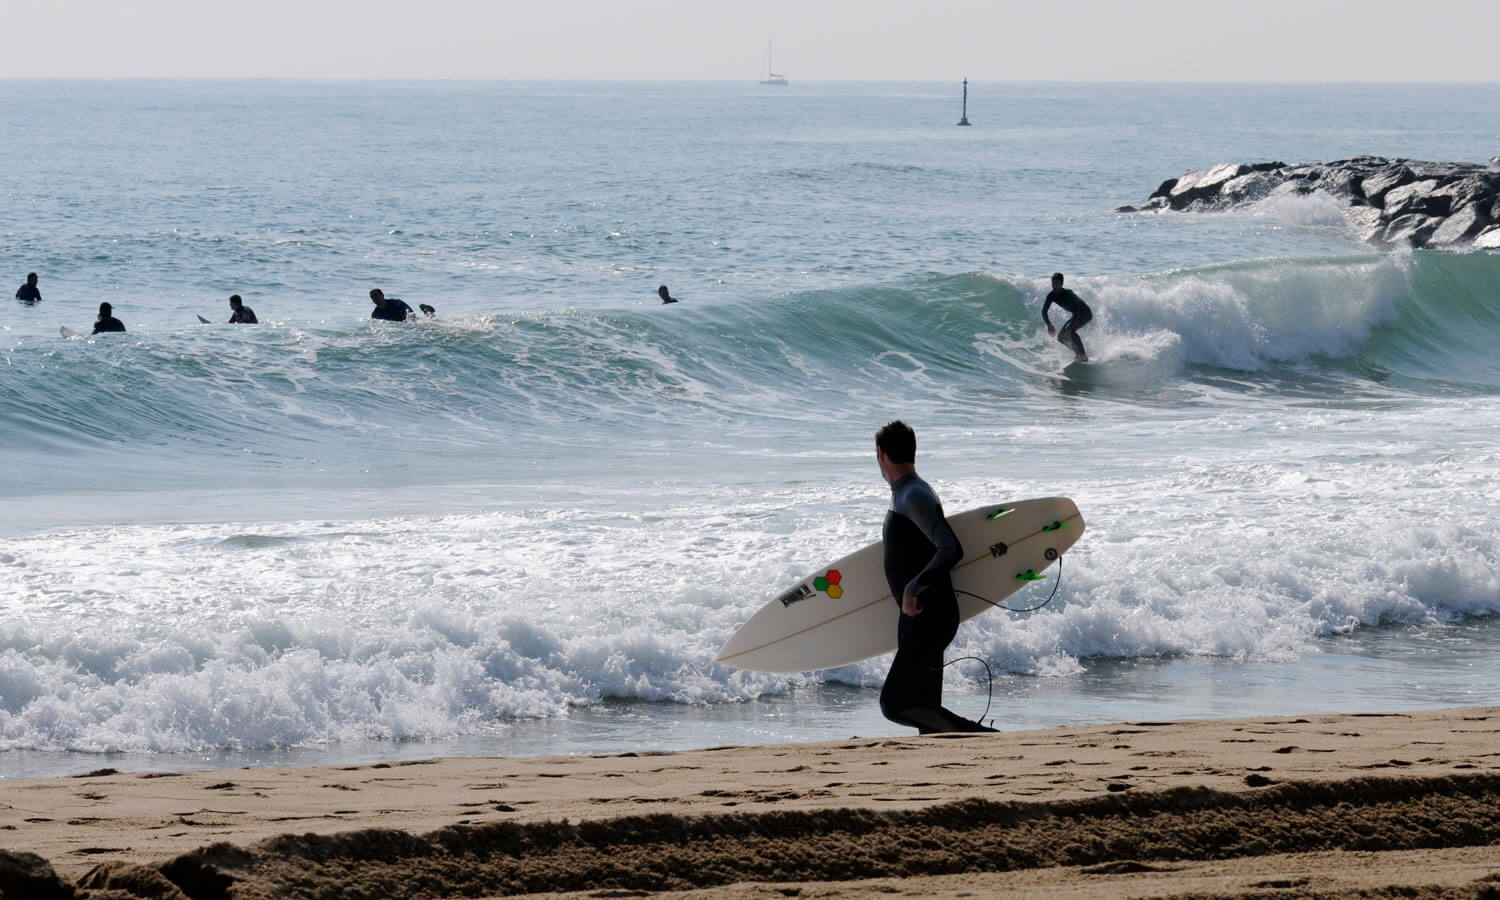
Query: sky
(815, 40)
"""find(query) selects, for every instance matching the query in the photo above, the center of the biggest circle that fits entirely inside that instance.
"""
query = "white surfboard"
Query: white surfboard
(66, 332)
(845, 613)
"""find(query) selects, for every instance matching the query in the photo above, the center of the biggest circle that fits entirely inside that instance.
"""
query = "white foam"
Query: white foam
(248, 635)
(1245, 316)
(1318, 208)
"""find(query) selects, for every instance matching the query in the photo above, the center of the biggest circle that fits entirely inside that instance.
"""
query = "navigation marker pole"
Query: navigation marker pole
(964, 118)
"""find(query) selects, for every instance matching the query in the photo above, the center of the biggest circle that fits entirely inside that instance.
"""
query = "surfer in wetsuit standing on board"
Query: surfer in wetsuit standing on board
(920, 550)
(1078, 312)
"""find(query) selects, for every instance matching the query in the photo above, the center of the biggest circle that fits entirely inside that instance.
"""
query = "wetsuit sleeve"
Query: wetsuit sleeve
(924, 510)
(1045, 304)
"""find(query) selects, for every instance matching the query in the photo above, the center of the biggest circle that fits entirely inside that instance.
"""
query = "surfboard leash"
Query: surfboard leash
(989, 687)
(1029, 577)
(989, 684)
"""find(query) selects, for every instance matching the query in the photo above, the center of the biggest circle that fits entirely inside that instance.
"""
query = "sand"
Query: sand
(1384, 805)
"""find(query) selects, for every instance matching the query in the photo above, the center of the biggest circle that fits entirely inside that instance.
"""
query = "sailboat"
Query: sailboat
(769, 69)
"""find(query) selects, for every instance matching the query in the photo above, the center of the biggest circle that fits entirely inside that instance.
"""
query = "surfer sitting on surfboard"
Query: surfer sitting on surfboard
(920, 550)
(1078, 311)
(242, 315)
(106, 320)
(28, 292)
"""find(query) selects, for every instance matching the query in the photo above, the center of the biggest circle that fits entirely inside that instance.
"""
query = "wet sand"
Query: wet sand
(1392, 805)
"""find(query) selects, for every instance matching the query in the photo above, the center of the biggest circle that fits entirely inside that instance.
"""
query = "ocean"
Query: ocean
(525, 526)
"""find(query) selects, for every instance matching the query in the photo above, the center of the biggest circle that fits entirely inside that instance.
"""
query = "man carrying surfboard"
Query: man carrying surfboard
(1078, 312)
(920, 551)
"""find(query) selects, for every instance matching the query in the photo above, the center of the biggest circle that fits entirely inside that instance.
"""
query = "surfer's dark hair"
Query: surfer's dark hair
(1057, 276)
(898, 442)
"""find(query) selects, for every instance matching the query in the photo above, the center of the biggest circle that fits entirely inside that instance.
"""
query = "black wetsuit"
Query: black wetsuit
(28, 294)
(243, 316)
(394, 310)
(1078, 312)
(108, 323)
(920, 549)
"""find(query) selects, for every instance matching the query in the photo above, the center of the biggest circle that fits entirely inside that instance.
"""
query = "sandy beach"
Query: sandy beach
(1402, 804)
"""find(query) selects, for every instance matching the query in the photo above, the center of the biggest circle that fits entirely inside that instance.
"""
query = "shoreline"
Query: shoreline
(1407, 799)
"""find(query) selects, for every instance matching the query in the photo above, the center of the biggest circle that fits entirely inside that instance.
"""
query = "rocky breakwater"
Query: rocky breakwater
(1388, 202)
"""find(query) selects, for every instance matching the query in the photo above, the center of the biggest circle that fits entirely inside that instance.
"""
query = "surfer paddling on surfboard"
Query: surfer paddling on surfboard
(1078, 312)
(920, 551)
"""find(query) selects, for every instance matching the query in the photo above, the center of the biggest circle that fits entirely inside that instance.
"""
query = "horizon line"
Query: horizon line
(546, 80)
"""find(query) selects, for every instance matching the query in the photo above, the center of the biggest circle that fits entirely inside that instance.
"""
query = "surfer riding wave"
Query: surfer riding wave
(1078, 312)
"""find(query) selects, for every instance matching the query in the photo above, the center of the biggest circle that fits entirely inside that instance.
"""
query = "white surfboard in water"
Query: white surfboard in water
(844, 612)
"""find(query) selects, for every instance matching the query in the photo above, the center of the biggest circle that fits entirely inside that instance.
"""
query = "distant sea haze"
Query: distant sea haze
(528, 524)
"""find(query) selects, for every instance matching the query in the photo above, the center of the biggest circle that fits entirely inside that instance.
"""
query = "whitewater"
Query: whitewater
(527, 525)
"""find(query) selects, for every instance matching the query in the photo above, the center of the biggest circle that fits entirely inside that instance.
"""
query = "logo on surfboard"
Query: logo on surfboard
(828, 583)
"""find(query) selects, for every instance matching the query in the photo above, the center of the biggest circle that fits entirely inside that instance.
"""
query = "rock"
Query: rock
(1459, 227)
(1294, 188)
(1405, 202)
(1437, 171)
(1261, 167)
(1416, 197)
(1194, 186)
(1376, 186)
(1489, 239)
(1248, 187)
(131, 879)
(28, 875)
(1464, 190)
(1365, 221)
(1343, 184)
(1412, 230)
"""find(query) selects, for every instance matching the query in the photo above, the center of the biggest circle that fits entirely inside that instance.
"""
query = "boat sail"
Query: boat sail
(770, 70)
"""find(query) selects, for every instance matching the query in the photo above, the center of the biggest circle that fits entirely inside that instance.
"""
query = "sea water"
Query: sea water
(527, 525)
